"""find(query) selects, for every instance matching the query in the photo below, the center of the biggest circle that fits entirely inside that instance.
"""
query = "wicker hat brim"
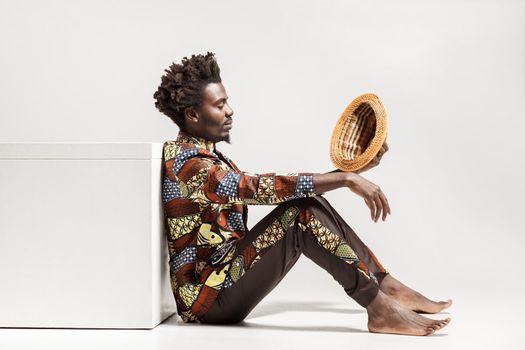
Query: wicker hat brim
(337, 156)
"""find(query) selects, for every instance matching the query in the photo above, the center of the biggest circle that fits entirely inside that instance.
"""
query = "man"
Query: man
(219, 269)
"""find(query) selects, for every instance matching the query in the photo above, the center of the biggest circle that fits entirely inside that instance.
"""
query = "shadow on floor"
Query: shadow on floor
(272, 308)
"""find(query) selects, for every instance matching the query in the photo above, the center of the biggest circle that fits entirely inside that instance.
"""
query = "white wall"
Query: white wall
(450, 73)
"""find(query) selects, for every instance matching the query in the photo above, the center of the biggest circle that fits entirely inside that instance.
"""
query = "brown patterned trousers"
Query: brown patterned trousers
(309, 226)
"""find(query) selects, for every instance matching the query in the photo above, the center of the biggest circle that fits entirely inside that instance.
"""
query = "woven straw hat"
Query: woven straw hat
(359, 133)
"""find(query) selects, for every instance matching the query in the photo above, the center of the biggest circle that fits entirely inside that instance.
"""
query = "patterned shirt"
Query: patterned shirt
(205, 198)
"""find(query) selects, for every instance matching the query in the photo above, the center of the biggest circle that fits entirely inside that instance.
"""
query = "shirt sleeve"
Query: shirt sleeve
(224, 185)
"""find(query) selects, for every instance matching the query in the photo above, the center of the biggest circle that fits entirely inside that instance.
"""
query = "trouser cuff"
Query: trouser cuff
(366, 290)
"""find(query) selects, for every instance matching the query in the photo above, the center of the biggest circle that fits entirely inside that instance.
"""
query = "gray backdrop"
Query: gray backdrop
(450, 73)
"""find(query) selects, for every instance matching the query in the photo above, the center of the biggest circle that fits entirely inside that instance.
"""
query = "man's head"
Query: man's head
(192, 95)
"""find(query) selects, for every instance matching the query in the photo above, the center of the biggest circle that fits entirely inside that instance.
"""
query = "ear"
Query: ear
(191, 115)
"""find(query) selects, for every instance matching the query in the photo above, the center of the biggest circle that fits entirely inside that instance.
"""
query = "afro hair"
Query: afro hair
(183, 84)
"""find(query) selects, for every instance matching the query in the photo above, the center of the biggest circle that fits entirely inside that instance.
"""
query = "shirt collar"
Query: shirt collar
(198, 141)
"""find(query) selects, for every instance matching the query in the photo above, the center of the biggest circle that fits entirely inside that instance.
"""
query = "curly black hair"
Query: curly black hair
(183, 84)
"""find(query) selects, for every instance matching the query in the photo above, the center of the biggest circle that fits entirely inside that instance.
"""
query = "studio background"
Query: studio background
(451, 75)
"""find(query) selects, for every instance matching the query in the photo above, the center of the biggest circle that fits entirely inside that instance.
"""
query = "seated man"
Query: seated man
(219, 269)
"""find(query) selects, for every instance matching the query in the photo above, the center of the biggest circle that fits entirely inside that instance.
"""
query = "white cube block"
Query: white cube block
(81, 236)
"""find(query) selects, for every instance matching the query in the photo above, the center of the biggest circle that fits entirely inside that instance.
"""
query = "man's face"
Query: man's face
(213, 120)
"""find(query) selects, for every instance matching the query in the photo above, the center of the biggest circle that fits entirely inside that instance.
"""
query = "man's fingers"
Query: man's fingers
(385, 203)
(379, 206)
(386, 208)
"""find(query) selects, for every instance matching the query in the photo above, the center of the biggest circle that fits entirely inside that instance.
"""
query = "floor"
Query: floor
(283, 322)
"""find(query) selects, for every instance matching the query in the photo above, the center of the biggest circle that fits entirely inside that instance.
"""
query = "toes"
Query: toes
(434, 324)
(443, 323)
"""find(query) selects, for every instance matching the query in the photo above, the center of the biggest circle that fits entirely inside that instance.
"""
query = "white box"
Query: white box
(82, 236)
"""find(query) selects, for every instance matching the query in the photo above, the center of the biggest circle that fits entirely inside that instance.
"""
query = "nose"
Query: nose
(230, 111)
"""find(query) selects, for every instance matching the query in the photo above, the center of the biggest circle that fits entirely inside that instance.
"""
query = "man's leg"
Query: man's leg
(270, 249)
(305, 225)
(369, 262)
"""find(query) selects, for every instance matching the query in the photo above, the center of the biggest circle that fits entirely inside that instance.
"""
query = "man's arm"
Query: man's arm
(271, 188)
(332, 180)
(223, 184)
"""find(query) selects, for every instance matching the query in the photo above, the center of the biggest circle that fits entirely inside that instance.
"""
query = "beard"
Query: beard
(218, 126)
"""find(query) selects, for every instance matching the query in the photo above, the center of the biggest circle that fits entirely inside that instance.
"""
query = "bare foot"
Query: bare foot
(409, 298)
(385, 315)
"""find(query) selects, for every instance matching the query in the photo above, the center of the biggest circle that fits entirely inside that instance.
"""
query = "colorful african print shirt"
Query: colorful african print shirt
(205, 198)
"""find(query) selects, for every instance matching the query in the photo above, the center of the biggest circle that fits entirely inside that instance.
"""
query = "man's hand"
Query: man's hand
(377, 159)
(374, 197)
